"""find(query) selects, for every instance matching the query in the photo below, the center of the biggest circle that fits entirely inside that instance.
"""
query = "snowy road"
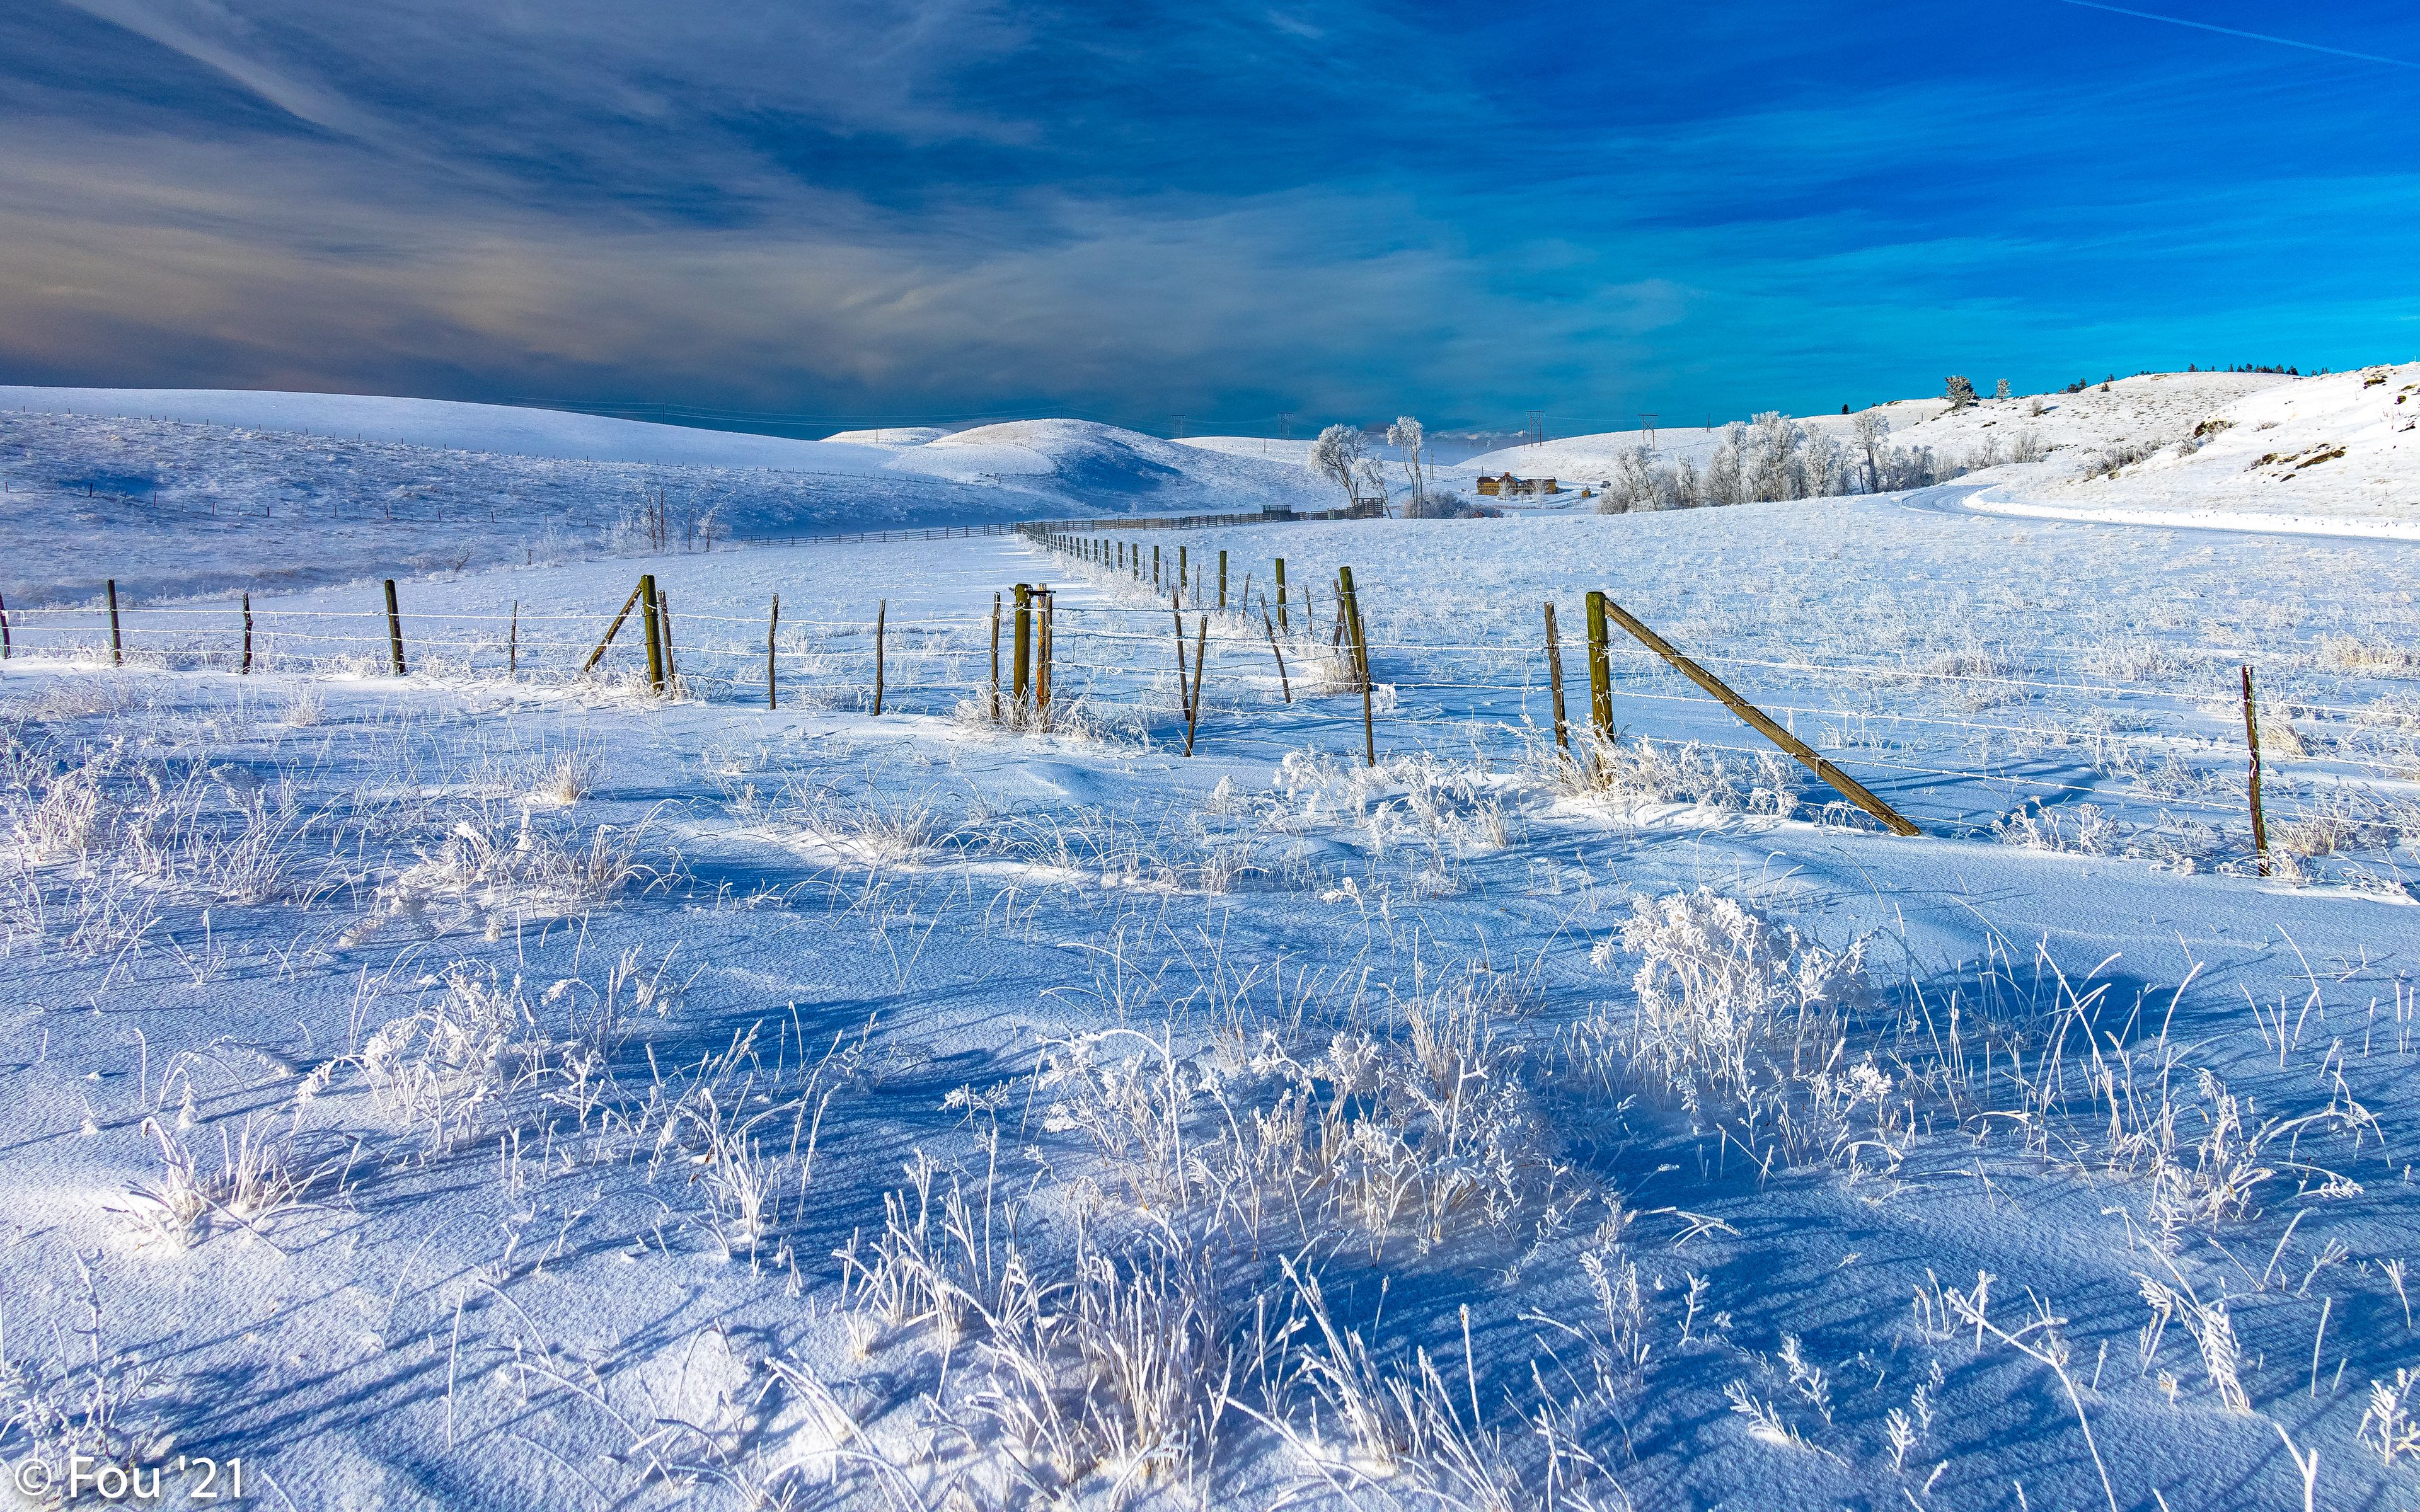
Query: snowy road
(1991, 499)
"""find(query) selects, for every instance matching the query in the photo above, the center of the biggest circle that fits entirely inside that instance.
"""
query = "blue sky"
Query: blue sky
(1137, 210)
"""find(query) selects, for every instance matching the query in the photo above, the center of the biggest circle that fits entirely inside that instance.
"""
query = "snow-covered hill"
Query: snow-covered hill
(897, 436)
(2072, 427)
(508, 430)
(1274, 449)
(1085, 462)
(2340, 451)
(188, 490)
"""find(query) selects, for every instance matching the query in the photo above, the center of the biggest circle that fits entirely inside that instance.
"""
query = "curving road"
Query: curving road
(1958, 498)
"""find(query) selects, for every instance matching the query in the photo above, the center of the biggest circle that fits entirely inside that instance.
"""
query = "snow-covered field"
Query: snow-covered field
(473, 1089)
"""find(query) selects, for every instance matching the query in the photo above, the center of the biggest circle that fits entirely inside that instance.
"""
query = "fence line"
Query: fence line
(927, 532)
(941, 665)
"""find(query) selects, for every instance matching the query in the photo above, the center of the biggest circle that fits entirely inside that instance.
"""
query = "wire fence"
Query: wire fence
(930, 532)
(1144, 643)
(1963, 742)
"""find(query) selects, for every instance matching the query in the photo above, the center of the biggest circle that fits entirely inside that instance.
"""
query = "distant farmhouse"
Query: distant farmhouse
(1509, 487)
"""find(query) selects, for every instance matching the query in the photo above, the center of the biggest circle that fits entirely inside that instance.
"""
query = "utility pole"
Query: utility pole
(1648, 416)
(1534, 432)
(1176, 427)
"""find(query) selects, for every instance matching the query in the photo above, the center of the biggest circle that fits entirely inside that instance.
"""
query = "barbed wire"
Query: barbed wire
(924, 657)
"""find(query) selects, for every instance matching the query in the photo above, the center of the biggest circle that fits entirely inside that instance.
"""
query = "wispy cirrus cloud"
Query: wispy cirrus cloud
(957, 209)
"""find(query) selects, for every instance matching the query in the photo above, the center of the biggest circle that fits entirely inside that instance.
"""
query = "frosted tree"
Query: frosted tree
(1902, 466)
(1688, 489)
(1824, 465)
(1773, 466)
(1373, 479)
(1406, 434)
(1336, 456)
(1962, 393)
(1867, 431)
(2004, 390)
(1632, 485)
(1727, 474)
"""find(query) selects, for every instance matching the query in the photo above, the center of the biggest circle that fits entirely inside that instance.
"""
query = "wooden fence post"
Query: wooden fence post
(1182, 556)
(611, 630)
(1283, 687)
(1222, 579)
(1600, 670)
(1021, 672)
(1757, 720)
(513, 642)
(664, 618)
(2252, 739)
(1154, 566)
(1200, 675)
(994, 656)
(773, 625)
(654, 627)
(117, 646)
(1349, 613)
(1554, 677)
(1184, 690)
(394, 629)
(246, 667)
(7, 648)
(1281, 597)
(1042, 656)
(881, 620)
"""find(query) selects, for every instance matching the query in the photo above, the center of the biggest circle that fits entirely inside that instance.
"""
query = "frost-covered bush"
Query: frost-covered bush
(458, 1051)
(1634, 770)
(1406, 1137)
(261, 1173)
(1439, 503)
(172, 829)
(2087, 830)
(1725, 998)
(64, 819)
(2121, 454)
(530, 872)
(64, 1418)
